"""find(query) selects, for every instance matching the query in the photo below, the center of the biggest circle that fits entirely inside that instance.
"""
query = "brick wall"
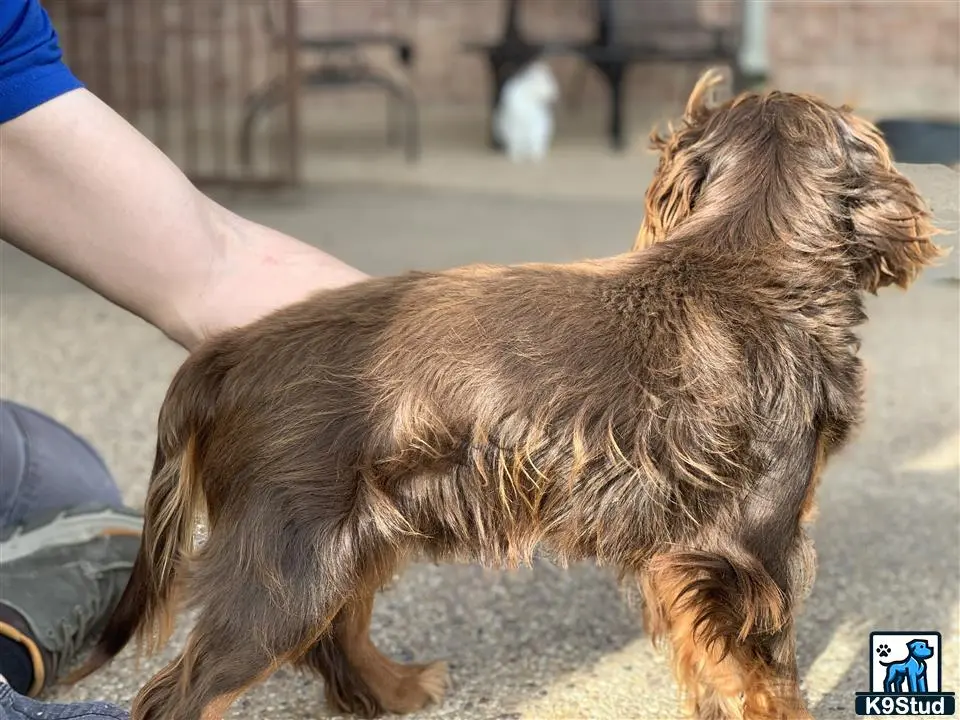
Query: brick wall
(886, 56)
(883, 55)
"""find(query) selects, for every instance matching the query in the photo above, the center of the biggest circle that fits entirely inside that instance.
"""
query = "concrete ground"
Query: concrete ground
(545, 644)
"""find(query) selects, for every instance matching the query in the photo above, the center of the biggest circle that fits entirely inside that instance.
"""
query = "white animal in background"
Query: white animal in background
(523, 121)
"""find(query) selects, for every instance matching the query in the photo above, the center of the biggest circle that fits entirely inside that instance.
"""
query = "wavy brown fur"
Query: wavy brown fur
(665, 411)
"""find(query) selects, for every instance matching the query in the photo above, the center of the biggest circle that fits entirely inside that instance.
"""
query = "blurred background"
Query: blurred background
(281, 91)
(363, 127)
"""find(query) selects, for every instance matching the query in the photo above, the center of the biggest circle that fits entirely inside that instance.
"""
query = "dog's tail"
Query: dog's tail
(174, 499)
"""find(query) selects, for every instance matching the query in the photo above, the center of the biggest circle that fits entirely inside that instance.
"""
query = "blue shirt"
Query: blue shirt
(31, 64)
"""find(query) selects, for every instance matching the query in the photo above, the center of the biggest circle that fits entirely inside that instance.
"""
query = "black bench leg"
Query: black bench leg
(615, 73)
(503, 64)
(498, 77)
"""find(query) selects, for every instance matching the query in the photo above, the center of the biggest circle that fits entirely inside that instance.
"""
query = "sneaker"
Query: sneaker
(60, 578)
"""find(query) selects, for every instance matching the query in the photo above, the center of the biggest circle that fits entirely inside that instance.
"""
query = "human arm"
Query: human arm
(85, 192)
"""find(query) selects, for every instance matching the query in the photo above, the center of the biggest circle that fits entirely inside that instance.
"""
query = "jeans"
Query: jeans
(45, 467)
(14, 706)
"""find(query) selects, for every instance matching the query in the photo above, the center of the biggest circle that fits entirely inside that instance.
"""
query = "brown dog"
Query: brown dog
(666, 412)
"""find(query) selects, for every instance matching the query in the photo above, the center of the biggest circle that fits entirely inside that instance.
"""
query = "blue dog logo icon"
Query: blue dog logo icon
(911, 671)
(906, 670)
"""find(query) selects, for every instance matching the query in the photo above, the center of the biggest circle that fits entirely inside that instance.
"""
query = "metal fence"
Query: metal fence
(185, 73)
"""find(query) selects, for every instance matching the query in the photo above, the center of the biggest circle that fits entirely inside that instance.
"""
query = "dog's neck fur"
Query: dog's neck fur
(790, 273)
(759, 217)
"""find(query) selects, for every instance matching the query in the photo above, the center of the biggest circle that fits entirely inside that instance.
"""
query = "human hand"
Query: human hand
(258, 271)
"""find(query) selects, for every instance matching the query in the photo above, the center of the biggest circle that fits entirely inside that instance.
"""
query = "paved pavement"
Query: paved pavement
(544, 644)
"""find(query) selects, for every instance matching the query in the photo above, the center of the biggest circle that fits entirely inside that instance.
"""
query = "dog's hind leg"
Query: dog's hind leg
(257, 611)
(362, 680)
(265, 598)
(238, 641)
(893, 682)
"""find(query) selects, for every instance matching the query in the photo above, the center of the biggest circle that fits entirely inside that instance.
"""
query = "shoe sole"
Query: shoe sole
(71, 527)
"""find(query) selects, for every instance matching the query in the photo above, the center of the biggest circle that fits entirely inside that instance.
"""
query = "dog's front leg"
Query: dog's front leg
(726, 603)
(732, 641)
(731, 632)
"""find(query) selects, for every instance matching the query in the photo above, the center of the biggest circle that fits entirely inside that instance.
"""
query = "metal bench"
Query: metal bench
(627, 32)
(340, 62)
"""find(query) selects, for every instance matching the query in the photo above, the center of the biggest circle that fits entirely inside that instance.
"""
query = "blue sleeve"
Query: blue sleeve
(31, 65)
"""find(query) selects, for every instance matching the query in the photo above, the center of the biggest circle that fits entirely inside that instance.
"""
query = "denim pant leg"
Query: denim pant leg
(45, 467)
(14, 706)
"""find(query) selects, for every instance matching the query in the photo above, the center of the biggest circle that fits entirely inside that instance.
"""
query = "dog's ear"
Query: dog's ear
(890, 224)
(681, 169)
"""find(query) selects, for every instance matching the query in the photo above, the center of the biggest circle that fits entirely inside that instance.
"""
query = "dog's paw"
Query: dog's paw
(434, 680)
(883, 650)
(419, 686)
